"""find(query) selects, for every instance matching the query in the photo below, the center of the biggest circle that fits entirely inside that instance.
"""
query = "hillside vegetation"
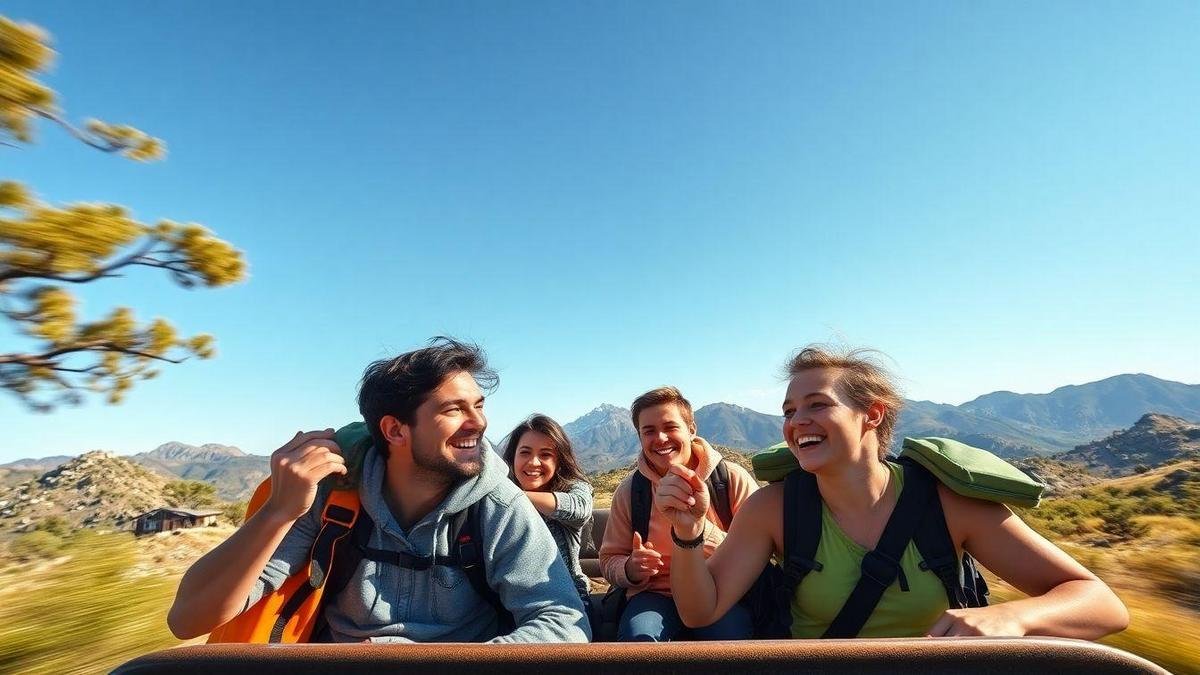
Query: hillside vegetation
(82, 601)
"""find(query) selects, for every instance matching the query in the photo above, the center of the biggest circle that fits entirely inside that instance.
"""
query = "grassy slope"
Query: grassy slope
(103, 599)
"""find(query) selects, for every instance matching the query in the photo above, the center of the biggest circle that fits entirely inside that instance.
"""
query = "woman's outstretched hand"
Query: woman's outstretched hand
(682, 498)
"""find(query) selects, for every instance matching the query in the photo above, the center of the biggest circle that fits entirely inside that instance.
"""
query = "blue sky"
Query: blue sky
(612, 196)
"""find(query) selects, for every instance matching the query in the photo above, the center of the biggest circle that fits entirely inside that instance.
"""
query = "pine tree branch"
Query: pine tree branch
(102, 273)
(49, 359)
(80, 134)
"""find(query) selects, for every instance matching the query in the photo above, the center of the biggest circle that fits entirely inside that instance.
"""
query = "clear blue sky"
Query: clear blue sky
(612, 196)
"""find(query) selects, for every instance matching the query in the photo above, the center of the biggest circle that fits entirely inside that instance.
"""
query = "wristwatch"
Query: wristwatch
(689, 543)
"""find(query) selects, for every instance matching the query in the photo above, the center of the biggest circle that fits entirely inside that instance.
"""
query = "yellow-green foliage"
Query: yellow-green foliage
(234, 512)
(87, 614)
(43, 248)
(1116, 512)
(190, 494)
(36, 545)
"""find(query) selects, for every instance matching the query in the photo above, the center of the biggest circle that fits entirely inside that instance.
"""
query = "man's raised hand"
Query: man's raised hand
(297, 467)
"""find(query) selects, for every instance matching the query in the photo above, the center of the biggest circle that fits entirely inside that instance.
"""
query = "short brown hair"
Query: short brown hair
(862, 379)
(658, 397)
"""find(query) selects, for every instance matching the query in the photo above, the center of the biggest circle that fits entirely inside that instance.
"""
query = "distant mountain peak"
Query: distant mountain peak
(609, 408)
(176, 451)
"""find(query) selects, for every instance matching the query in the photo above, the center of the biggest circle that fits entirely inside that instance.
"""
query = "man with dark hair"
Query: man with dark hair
(429, 465)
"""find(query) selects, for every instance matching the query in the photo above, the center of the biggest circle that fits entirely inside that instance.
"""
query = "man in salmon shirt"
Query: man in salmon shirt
(667, 430)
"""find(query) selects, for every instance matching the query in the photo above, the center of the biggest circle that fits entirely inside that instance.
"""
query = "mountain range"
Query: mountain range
(1009, 424)
(234, 473)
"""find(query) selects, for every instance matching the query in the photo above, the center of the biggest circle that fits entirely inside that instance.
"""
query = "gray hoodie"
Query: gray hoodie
(387, 603)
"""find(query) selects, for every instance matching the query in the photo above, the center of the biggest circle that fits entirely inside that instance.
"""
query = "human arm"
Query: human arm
(269, 544)
(624, 560)
(525, 569)
(705, 590)
(1066, 599)
(544, 502)
(573, 507)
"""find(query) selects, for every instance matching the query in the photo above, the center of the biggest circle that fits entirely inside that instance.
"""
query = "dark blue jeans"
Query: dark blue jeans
(651, 617)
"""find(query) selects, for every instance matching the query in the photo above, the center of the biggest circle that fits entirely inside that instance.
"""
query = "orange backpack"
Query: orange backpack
(291, 613)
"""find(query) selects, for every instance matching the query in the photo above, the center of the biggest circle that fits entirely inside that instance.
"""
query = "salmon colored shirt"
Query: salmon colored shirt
(618, 534)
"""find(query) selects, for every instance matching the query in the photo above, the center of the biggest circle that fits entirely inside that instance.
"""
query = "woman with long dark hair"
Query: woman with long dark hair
(542, 463)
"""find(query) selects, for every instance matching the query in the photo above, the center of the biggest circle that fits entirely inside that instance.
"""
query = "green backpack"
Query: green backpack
(969, 471)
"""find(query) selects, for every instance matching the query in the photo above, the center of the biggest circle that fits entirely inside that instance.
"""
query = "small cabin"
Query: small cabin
(165, 519)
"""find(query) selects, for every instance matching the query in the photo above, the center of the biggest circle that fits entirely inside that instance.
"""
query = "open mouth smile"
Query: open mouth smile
(466, 444)
(808, 441)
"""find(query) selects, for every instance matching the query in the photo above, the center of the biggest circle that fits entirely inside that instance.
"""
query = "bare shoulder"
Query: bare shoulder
(763, 513)
(966, 515)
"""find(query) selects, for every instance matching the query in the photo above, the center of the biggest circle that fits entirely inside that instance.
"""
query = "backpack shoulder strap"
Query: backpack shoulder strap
(801, 529)
(718, 492)
(881, 566)
(338, 518)
(640, 498)
(467, 548)
(940, 556)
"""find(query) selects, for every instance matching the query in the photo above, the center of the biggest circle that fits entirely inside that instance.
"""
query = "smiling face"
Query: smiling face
(666, 438)
(447, 429)
(824, 428)
(535, 461)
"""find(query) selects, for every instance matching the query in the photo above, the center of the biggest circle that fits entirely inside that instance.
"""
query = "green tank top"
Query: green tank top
(821, 595)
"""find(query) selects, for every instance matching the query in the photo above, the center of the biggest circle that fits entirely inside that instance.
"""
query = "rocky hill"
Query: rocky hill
(1155, 439)
(96, 489)
(1058, 476)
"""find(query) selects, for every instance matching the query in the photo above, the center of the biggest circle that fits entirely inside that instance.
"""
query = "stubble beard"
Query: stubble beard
(442, 470)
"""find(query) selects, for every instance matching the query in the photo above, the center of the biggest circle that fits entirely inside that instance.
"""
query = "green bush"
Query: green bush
(55, 525)
(190, 494)
(234, 512)
(36, 545)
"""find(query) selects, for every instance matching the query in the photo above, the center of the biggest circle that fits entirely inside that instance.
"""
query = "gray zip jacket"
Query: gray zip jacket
(387, 603)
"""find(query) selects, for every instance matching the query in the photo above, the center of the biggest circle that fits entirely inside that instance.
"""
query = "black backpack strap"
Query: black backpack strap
(640, 499)
(940, 556)
(718, 493)
(801, 529)
(337, 522)
(467, 547)
(881, 566)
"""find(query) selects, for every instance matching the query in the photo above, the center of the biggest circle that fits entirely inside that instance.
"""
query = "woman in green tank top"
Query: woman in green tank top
(839, 415)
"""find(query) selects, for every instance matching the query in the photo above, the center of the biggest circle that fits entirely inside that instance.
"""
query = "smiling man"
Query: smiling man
(429, 465)
(640, 562)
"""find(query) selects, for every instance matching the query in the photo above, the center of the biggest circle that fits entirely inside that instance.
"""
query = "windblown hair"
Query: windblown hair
(861, 378)
(399, 386)
(568, 470)
(658, 397)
